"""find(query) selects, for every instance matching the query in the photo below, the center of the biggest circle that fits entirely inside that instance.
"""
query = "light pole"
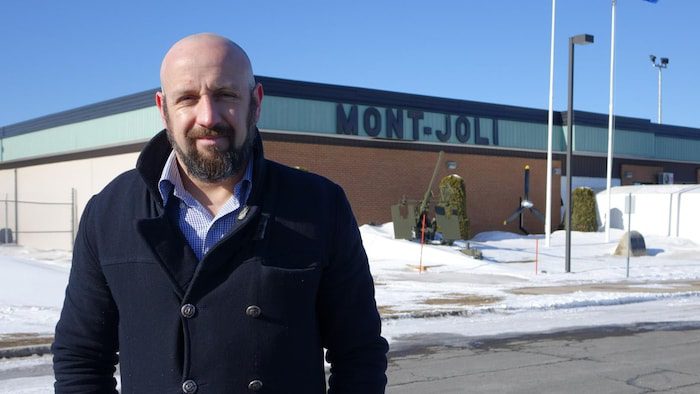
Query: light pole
(550, 126)
(663, 63)
(581, 39)
(611, 124)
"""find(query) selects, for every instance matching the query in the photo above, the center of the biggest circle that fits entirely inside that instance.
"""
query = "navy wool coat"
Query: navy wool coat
(254, 315)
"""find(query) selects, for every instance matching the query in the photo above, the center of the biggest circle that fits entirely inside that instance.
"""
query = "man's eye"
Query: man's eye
(186, 100)
(227, 96)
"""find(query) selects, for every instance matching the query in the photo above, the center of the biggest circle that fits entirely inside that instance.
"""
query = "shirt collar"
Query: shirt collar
(169, 178)
(170, 182)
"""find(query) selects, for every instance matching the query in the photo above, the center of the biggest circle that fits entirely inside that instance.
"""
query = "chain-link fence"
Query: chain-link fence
(27, 218)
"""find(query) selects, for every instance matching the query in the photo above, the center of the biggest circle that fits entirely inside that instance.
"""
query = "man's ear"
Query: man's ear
(258, 97)
(160, 103)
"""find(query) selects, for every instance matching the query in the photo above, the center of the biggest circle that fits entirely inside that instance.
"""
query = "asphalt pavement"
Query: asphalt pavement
(640, 358)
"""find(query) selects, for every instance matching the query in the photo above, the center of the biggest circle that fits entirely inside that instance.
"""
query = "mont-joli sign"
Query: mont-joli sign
(415, 125)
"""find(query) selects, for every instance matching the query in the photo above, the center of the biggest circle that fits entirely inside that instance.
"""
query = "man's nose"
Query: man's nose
(207, 112)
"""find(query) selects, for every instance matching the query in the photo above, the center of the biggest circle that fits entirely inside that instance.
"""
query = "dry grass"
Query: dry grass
(617, 287)
(386, 310)
(23, 339)
(462, 300)
(458, 300)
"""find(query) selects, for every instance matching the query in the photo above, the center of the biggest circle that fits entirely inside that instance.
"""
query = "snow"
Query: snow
(456, 294)
(30, 382)
(504, 294)
(32, 284)
(456, 298)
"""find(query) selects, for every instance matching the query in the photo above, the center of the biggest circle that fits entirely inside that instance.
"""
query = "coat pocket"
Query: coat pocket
(289, 294)
(288, 301)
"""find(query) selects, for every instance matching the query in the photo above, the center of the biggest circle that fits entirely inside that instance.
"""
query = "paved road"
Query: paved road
(645, 358)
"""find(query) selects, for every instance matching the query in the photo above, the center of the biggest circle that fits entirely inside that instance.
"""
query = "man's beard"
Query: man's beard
(215, 165)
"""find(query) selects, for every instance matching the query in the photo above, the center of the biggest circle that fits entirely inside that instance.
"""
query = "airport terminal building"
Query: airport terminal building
(379, 146)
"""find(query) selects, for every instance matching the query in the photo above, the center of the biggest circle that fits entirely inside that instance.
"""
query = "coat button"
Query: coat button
(255, 385)
(188, 310)
(242, 214)
(189, 386)
(253, 311)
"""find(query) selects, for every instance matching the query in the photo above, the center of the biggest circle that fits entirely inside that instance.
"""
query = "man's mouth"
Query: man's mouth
(218, 142)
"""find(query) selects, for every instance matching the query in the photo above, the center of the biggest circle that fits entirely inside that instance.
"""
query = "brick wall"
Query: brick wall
(632, 174)
(375, 178)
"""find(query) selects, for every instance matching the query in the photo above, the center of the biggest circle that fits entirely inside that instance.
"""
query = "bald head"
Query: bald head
(202, 51)
(209, 104)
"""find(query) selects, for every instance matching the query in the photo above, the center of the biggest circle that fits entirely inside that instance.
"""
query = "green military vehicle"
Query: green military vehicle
(412, 220)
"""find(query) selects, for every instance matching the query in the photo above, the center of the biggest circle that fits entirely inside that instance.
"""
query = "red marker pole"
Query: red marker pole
(537, 252)
(422, 241)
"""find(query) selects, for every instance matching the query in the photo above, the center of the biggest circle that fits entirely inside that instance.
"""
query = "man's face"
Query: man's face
(217, 156)
(210, 110)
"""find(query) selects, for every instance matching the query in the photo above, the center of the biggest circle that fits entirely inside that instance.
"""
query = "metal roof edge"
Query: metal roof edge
(354, 95)
(101, 109)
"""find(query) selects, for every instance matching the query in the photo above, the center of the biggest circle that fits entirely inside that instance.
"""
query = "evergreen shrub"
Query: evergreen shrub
(583, 217)
(453, 196)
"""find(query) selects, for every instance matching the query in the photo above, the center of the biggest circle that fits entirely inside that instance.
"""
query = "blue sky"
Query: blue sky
(59, 55)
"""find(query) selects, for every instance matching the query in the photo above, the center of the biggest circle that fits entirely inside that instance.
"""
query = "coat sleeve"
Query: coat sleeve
(350, 323)
(86, 340)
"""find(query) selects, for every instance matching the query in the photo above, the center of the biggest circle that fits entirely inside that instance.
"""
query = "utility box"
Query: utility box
(6, 236)
(665, 178)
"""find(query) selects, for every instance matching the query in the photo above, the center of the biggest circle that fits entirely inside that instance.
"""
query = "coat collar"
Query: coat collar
(154, 155)
(167, 244)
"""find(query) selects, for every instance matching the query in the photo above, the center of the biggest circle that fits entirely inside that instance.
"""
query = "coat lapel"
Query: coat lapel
(165, 239)
(171, 250)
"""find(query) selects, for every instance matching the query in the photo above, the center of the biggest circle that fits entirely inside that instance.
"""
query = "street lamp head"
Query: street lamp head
(582, 39)
(663, 62)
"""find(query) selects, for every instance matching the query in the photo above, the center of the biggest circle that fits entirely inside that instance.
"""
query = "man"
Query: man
(210, 269)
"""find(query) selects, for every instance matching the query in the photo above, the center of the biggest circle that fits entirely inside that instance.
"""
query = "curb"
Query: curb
(25, 351)
(428, 314)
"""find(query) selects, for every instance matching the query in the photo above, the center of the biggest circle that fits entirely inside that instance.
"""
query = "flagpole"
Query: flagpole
(550, 120)
(611, 122)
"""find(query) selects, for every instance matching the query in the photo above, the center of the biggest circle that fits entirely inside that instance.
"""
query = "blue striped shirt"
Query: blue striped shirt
(201, 229)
